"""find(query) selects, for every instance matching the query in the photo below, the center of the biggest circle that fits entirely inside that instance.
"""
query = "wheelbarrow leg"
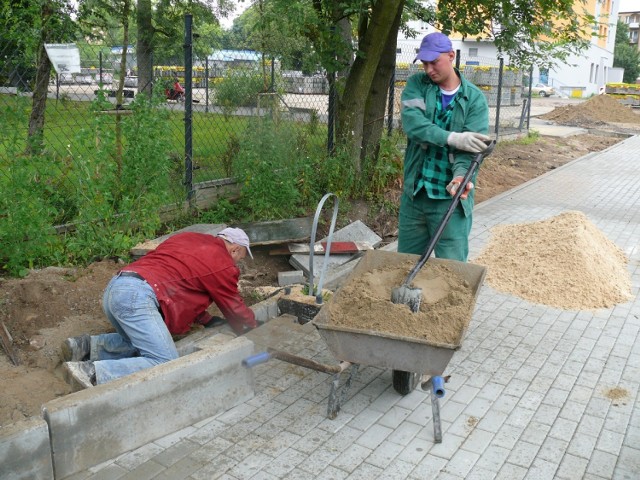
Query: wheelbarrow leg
(436, 387)
(435, 407)
(338, 394)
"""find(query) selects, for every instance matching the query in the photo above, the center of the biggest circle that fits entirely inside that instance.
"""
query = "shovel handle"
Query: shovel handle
(475, 163)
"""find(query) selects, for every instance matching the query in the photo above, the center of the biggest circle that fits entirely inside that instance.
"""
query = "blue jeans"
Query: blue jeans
(142, 339)
(419, 219)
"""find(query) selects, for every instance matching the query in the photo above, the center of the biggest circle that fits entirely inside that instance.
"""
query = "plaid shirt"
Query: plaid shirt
(436, 168)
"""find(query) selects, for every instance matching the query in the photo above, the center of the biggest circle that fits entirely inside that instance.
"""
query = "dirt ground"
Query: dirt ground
(49, 305)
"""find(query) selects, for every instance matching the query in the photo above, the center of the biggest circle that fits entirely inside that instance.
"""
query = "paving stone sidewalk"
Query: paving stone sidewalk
(526, 399)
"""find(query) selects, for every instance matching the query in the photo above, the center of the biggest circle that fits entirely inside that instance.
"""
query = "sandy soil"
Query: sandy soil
(52, 304)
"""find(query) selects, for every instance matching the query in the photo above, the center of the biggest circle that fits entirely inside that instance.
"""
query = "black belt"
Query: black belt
(132, 274)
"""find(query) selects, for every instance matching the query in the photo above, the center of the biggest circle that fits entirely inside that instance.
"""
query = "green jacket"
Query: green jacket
(470, 114)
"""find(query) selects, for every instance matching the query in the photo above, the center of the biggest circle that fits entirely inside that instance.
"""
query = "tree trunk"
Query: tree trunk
(144, 47)
(375, 108)
(353, 101)
(39, 100)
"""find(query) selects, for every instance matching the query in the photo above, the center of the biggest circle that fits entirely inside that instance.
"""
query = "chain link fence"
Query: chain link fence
(98, 146)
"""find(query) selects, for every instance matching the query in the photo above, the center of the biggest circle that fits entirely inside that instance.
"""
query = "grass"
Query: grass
(213, 134)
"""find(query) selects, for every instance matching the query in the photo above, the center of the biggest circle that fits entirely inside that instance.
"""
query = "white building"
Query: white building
(579, 76)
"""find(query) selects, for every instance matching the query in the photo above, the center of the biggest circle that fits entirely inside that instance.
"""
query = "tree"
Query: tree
(625, 55)
(25, 27)
(528, 31)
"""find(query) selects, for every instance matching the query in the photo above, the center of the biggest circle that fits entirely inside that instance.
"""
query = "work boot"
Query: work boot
(80, 375)
(76, 349)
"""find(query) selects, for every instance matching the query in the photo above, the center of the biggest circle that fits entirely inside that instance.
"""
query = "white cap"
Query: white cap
(237, 236)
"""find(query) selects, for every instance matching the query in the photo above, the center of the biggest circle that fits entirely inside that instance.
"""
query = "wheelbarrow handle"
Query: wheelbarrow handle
(263, 357)
(256, 359)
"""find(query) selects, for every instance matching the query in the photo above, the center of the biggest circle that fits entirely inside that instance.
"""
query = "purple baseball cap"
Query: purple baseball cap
(432, 46)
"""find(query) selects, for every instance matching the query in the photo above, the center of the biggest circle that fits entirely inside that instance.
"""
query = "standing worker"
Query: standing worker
(161, 294)
(446, 120)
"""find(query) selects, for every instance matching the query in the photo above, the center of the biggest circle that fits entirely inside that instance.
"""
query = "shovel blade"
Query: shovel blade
(405, 295)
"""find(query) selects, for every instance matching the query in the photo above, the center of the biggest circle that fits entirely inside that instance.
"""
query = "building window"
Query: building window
(591, 73)
(473, 52)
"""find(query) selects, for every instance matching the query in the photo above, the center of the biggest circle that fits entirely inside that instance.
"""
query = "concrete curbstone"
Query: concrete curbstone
(25, 452)
(93, 425)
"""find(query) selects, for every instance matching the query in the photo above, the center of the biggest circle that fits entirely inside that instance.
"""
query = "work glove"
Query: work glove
(215, 322)
(454, 184)
(468, 141)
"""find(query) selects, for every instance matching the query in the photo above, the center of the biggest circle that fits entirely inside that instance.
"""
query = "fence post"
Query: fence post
(529, 96)
(188, 118)
(499, 99)
(331, 112)
(206, 84)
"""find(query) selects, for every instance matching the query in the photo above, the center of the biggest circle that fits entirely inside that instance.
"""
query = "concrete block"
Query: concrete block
(266, 310)
(25, 452)
(290, 278)
(94, 425)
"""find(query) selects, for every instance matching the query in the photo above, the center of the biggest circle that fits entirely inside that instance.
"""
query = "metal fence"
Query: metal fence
(102, 155)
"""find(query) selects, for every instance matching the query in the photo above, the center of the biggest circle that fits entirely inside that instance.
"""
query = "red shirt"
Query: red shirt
(188, 272)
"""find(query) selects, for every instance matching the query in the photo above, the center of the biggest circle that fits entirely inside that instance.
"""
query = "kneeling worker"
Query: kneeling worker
(161, 294)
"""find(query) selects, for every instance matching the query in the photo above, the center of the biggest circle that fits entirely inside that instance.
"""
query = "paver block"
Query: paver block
(290, 278)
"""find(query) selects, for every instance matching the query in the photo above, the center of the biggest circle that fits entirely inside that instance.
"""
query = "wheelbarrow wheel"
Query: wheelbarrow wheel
(405, 382)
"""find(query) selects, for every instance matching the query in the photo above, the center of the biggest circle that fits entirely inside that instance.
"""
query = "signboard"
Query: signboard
(65, 57)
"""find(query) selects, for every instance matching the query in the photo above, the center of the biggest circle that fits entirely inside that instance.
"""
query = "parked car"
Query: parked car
(542, 90)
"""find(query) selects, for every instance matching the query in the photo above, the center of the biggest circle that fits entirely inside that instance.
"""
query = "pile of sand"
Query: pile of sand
(564, 262)
(598, 109)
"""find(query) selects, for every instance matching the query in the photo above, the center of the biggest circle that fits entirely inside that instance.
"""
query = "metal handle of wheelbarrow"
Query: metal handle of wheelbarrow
(256, 359)
(263, 357)
(475, 163)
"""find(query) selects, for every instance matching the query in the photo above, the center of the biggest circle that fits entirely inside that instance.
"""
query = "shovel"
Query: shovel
(411, 296)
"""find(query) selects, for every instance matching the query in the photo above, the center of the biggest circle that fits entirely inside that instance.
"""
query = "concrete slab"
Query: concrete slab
(88, 427)
(354, 232)
(145, 247)
(278, 231)
(25, 452)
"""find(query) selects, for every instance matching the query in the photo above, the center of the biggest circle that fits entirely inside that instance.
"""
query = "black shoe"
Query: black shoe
(80, 375)
(76, 349)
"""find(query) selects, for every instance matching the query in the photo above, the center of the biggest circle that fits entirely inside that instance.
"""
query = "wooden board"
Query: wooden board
(7, 344)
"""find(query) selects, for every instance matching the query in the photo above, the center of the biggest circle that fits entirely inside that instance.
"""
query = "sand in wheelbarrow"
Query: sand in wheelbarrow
(445, 310)
(564, 261)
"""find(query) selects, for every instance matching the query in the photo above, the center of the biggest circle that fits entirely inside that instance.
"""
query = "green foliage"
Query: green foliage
(111, 205)
(240, 88)
(387, 167)
(625, 55)
(267, 169)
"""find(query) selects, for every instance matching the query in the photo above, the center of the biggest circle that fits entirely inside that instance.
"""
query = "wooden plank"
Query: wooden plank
(7, 344)
(336, 248)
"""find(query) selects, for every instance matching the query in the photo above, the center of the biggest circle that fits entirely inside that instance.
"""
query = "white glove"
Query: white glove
(468, 141)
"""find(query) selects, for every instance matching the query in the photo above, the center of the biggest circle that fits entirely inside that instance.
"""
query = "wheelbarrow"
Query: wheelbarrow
(412, 360)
